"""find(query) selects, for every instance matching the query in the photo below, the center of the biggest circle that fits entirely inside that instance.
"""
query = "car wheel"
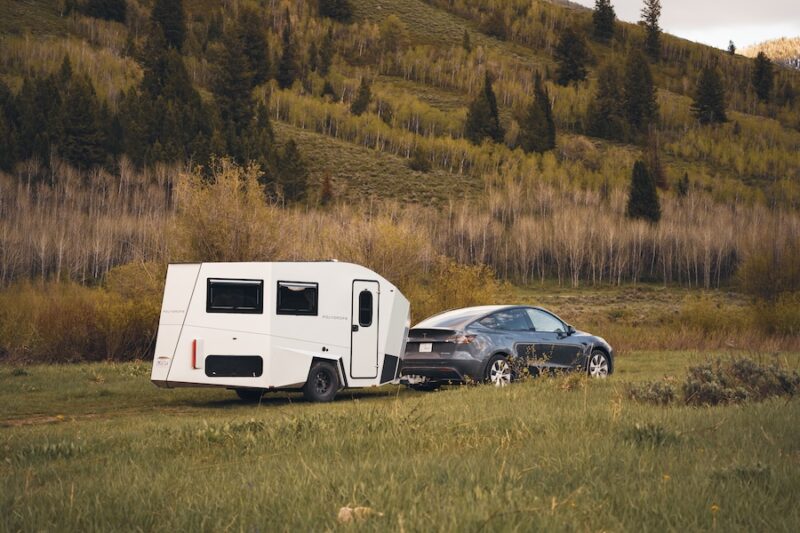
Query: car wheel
(599, 365)
(426, 387)
(250, 395)
(322, 383)
(498, 371)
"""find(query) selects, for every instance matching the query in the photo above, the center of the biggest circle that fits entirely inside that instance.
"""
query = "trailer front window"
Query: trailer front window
(297, 298)
(235, 296)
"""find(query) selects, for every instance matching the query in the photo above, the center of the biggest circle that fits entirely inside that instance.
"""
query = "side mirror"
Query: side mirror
(570, 330)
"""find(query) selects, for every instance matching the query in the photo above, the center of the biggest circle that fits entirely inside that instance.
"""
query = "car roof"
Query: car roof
(458, 318)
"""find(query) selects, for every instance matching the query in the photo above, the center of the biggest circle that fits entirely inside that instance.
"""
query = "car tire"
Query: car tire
(599, 364)
(426, 387)
(322, 382)
(250, 395)
(499, 372)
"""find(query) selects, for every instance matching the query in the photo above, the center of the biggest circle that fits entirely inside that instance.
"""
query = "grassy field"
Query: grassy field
(98, 447)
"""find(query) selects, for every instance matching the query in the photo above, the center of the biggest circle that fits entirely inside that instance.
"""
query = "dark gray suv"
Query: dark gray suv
(484, 343)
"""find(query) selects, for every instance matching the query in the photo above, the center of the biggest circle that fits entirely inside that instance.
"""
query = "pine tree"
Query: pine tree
(393, 34)
(340, 10)
(495, 24)
(419, 162)
(571, 55)
(603, 18)
(259, 140)
(326, 195)
(651, 12)
(232, 89)
(606, 113)
(327, 90)
(683, 185)
(293, 173)
(255, 46)
(287, 68)
(641, 108)
(763, 77)
(731, 48)
(39, 107)
(313, 56)
(8, 134)
(107, 9)
(643, 200)
(326, 52)
(538, 127)
(171, 18)
(709, 98)
(466, 44)
(482, 116)
(82, 141)
(363, 97)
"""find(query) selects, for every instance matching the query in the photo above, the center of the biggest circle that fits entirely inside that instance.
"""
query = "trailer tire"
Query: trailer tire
(322, 382)
(250, 395)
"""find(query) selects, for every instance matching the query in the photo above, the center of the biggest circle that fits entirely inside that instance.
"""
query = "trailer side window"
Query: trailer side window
(365, 309)
(235, 296)
(297, 298)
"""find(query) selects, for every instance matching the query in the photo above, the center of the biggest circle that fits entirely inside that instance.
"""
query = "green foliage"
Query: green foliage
(107, 9)
(731, 48)
(326, 52)
(538, 127)
(650, 435)
(292, 173)
(603, 18)
(170, 17)
(606, 112)
(288, 69)
(639, 93)
(82, 141)
(737, 380)
(483, 119)
(763, 77)
(339, 10)
(651, 12)
(709, 100)
(393, 34)
(494, 24)
(419, 161)
(654, 392)
(643, 200)
(232, 90)
(360, 103)
(571, 54)
(254, 43)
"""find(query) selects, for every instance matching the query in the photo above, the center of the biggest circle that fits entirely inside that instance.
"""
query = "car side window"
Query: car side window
(545, 321)
(508, 320)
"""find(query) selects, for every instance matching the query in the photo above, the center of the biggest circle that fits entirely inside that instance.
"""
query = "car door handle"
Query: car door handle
(355, 327)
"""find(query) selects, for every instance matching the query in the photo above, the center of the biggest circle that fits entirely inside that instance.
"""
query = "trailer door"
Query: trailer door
(364, 330)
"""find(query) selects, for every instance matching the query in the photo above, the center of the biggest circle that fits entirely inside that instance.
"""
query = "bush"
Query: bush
(655, 392)
(65, 322)
(737, 380)
(771, 267)
(650, 435)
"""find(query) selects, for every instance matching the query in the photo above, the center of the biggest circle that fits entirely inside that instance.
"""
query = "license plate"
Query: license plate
(425, 347)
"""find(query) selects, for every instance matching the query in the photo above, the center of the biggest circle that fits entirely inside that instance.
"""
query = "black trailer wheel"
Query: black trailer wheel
(322, 383)
(250, 395)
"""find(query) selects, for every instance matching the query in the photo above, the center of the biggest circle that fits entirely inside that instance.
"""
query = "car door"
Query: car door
(553, 345)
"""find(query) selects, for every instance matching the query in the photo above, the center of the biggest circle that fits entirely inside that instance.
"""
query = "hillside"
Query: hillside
(785, 51)
(91, 190)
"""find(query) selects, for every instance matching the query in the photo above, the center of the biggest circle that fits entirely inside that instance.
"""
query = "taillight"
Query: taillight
(461, 339)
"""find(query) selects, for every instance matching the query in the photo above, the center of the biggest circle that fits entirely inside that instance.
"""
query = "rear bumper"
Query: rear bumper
(443, 370)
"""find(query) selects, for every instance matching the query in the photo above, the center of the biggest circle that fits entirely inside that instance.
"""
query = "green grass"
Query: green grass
(98, 447)
(361, 172)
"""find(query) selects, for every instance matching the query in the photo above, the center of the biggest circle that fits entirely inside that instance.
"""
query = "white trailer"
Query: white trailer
(254, 327)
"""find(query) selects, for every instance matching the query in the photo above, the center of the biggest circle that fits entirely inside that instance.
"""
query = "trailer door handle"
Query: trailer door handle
(355, 327)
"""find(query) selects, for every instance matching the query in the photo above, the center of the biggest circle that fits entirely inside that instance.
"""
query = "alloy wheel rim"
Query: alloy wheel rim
(598, 366)
(500, 373)
(322, 382)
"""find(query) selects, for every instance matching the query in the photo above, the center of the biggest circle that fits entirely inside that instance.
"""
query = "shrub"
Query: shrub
(737, 380)
(650, 435)
(655, 392)
(771, 267)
